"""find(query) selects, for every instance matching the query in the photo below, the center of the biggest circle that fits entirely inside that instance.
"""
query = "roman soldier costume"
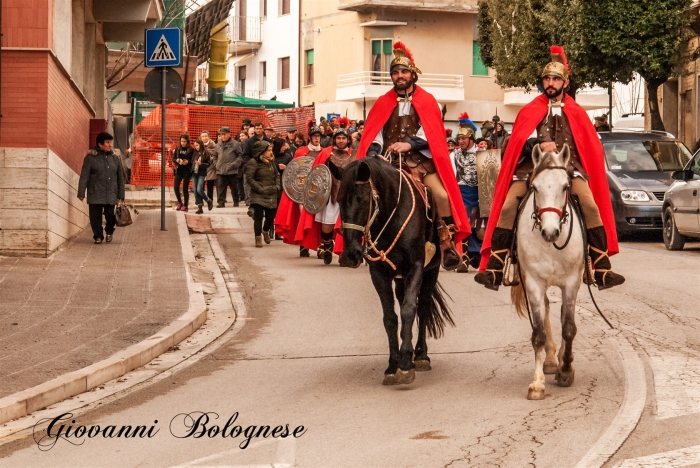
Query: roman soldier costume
(561, 122)
(413, 116)
(311, 232)
(287, 219)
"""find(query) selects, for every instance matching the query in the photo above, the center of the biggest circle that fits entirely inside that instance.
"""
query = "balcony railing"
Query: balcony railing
(369, 78)
(452, 6)
(245, 29)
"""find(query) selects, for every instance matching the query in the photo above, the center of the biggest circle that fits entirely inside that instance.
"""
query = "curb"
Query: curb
(80, 381)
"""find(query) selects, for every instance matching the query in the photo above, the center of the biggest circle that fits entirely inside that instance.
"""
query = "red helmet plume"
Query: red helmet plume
(558, 55)
(309, 124)
(401, 46)
(344, 122)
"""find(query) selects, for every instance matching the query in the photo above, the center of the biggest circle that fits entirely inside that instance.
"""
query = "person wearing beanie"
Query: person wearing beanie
(264, 179)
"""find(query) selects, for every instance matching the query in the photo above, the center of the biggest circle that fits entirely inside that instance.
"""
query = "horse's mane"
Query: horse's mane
(547, 161)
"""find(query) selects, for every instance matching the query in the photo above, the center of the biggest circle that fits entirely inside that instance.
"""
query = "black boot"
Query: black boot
(598, 250)
(465, 260)
(500, 246)
(325, 250)
(450, 257)
(303, 252)
(199, 209)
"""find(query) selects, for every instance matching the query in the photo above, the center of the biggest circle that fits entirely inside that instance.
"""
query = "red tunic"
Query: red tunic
(308, 231)
(431, 120)
(287, 218)
(590, 153)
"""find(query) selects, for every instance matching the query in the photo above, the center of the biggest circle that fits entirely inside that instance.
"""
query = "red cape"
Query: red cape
(287, 218)
(590, 152)
(308, 232)
(431, 119)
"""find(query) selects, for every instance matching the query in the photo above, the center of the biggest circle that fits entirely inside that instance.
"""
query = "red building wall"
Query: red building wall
(26, 23)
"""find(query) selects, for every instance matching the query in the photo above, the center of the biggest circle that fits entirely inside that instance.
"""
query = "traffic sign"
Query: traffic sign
(163, 47)
(154, 82)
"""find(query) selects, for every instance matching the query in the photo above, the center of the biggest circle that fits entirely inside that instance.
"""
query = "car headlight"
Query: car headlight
(634, 196)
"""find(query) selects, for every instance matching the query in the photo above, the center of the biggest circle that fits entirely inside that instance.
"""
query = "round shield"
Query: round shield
(317, 190)
(294, 178)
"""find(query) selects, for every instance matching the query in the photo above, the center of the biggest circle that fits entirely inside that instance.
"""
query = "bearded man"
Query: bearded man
(552, 120)
(407, 121)
(287, 219)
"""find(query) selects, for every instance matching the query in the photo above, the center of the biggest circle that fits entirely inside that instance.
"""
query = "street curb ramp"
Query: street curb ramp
(80, 381)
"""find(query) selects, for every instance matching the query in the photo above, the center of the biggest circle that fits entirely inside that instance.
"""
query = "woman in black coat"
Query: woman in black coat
(182, 159)
(264, 178)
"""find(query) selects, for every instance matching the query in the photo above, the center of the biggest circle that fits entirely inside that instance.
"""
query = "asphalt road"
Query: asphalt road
(313, 350)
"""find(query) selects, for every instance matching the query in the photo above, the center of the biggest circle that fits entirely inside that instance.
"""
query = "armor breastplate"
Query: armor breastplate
(340, 158)
(556, 128)
(400, 128)
(313, 153)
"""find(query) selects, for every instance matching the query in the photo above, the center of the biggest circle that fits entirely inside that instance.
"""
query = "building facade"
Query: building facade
(53, 94)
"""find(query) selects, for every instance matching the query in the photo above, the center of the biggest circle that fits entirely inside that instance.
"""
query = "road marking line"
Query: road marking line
(672, 459)
(676, 382)
(631, 409)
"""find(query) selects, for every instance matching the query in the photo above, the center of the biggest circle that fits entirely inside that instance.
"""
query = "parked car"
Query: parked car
(681, 209)
(639, 167)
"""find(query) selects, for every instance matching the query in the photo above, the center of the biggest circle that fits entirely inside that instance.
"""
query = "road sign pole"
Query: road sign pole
(163, 152)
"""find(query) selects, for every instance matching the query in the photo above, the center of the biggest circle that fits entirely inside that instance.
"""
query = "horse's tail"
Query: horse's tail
(440, 312)
(517, 297)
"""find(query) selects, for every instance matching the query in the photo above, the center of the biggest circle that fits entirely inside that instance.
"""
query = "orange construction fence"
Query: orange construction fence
(281, 120)
(180, 119)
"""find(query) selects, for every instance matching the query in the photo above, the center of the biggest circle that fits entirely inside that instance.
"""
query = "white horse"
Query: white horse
(550, 253)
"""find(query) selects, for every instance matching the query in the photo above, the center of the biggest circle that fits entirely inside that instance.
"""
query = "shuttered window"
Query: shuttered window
(310, 67)
(284, 73)
(478, 67)
(284, 7)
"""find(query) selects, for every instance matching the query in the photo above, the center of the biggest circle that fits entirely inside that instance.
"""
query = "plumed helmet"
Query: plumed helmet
(452, 140)
(403, 59)
(465, 120)
(466, 132)
(312, 128)
(559, 66)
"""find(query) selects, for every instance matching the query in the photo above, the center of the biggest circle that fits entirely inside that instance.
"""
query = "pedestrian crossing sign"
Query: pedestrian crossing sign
(163, 47)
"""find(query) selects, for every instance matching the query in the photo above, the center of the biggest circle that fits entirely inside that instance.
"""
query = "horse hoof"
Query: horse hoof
(550, 368)
(405, 377)
(565, 379)
(390, 379)
(422, 365)
(535, 393)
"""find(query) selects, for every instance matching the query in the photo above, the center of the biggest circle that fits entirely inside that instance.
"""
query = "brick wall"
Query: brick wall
(68, 119)
(25, 23)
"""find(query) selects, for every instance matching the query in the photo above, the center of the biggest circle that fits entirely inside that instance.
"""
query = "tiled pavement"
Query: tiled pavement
(88, 301)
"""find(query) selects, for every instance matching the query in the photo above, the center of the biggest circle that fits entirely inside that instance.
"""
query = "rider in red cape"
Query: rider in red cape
(552, 120)
(418, 114)
(287, 219)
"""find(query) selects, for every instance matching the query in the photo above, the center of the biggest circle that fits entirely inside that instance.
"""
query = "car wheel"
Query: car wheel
(673, 240)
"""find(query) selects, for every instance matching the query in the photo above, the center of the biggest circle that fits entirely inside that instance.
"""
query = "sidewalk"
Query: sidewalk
(88, 302)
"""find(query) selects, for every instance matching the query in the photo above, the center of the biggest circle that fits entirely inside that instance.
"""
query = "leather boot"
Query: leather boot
(258, 242)
(325, 250)
(450, 257)
(303, 252)
(465, 260)
(266, 237)
(598, 250)
(500, 246)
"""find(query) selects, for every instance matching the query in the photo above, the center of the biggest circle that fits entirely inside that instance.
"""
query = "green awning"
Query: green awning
(241, 101)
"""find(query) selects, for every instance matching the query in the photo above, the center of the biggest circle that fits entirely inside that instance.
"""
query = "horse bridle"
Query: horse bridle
(371, 215)
(563, 213)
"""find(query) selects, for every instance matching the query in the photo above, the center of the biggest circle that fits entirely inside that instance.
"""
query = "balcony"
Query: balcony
(588, 98)
(245, 33)
(450, 6)
(371, 85)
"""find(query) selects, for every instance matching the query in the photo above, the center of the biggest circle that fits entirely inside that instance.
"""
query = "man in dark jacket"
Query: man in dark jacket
(229, 160)
(103, 178)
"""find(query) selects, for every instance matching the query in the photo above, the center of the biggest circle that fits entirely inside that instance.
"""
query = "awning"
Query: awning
(241, 101)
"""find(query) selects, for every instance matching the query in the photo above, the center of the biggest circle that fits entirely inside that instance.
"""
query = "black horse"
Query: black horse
(387, 223)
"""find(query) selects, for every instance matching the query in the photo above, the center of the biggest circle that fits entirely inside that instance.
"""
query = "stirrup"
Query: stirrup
(507, 281)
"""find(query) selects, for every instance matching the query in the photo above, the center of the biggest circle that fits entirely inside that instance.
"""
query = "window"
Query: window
(283, 7)
(381, 57)
(284, 73)
(478, 67)
(263, 77)
(309, 67)
(241, 80)
(263, 8)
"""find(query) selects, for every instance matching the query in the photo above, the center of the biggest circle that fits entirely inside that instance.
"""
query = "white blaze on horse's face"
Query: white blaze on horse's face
(550, 189)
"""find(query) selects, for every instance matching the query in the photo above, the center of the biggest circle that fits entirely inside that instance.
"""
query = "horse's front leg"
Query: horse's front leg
(536, 293)
(412, 283)
(391, 322)
(565, 372)
(550, 347)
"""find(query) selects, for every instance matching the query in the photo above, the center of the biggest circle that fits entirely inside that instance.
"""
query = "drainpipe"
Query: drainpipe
(300, 61)
(218, 50)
